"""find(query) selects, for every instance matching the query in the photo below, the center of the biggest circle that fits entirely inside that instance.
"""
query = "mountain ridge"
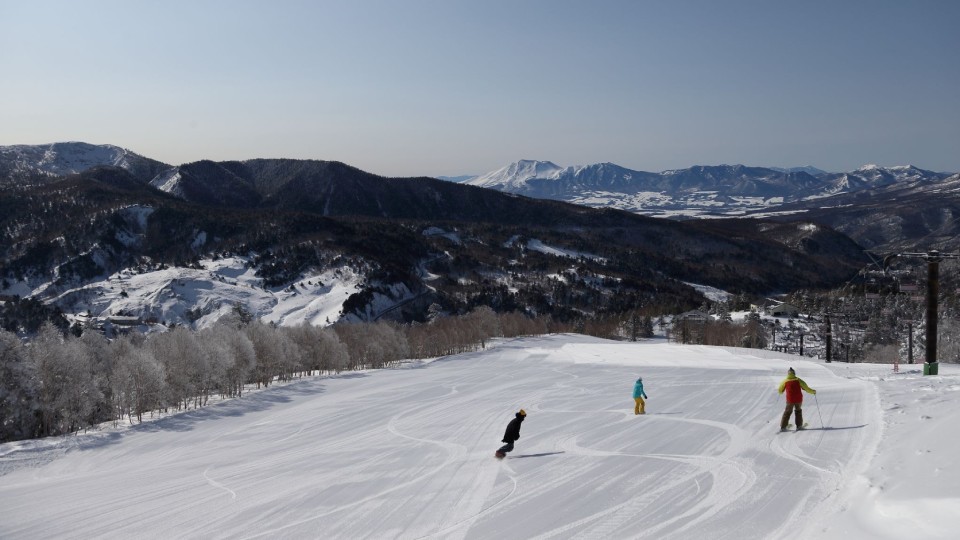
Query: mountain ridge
(63, 158)
(410, 242)
(727, 191)
(527, 177)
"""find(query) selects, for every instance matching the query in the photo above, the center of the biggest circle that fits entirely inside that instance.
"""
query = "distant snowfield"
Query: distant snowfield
(214, 289)
(537, 245)
(710, 293)
(407, 453)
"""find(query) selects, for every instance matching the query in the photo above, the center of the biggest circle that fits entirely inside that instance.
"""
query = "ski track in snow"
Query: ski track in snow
(407, 453)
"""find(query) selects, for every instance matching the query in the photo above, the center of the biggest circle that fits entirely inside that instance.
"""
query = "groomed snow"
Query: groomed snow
(407, 453)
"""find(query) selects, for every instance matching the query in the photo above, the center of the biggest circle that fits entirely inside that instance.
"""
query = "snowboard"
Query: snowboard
(790, 427)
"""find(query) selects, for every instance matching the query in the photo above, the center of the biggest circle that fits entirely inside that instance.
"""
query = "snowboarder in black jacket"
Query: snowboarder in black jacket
(511, 434)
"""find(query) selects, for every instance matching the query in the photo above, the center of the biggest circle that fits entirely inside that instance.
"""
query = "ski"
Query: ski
(790, 427)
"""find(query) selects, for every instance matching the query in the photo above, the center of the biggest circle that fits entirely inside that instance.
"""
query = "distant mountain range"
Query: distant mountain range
(695, 191)
(71, 237)
(917, 207)
(809, 169)
(870, 194)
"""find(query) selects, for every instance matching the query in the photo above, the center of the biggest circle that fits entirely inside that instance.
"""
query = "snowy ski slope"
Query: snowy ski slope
(407, 453)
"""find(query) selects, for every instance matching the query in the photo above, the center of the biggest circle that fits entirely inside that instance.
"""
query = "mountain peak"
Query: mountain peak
(516, 175)
(535, 165)
(63, 158)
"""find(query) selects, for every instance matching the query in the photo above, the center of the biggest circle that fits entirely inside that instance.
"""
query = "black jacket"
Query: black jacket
(513, 429)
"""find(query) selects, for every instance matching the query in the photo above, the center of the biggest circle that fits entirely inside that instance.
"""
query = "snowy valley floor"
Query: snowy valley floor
(407, 453)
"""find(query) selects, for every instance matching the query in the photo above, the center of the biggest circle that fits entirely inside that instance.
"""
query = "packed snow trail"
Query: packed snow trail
(407, 453)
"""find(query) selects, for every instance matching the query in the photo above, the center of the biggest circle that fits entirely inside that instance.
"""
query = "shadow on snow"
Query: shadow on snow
(539, 455)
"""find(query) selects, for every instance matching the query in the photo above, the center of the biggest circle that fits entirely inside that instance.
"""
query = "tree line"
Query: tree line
(58, 383)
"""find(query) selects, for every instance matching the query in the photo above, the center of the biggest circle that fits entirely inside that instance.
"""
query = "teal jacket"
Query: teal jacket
(638, 390)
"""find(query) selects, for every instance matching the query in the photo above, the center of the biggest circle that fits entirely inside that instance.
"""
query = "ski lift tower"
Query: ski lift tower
(933, 258)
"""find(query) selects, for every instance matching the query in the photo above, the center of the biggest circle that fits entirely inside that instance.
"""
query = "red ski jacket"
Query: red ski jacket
(792, 384)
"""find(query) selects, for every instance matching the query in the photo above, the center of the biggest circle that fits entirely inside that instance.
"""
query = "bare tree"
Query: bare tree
(183, 364)
(215, 348)
(57, 384)
(140, 381)
(373, 345)
(67, 391)
(271, 349)
(320, 348)
(18, 391)
(881, 354)
(242, 354)
(81, 392)
(102, 369)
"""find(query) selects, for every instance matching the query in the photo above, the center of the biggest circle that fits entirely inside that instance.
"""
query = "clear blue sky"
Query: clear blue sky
(446, 87)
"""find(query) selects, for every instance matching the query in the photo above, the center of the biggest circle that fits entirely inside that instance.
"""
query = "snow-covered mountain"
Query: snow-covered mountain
(720, 190)
(294, 218)
(112, 246)
(809, 169)
(874, 176)
(888, 175)
(63, 158)
(515, 176)
(912, 212)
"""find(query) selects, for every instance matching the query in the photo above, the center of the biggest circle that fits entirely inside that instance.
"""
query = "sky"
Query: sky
(407, 452)
(449, 87)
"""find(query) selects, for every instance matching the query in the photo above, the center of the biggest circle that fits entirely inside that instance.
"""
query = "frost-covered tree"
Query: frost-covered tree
(320, 348)
(237, 347)
(140, 381)
(486, 322)
(180, 354)
(244, 359)
(67, 393)
(290, 356)
(273, 350)
(118, 350)
(334, 355)
(102, 369)
(373, 345)
(219, 359)
(948, 344)
(57, 383)
(81, 395)
(18, 391)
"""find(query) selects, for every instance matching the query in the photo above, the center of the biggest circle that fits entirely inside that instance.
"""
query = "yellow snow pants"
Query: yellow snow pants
(638, 408)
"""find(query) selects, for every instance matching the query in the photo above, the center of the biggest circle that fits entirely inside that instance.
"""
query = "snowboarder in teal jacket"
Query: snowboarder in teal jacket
(638, 396)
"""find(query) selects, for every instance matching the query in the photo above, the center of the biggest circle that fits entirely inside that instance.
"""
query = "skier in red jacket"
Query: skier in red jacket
(793, 386)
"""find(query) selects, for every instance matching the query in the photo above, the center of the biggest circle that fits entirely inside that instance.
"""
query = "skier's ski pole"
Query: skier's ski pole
(817, 401)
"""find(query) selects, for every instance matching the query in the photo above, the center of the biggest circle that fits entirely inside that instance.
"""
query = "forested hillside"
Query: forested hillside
(60, 235)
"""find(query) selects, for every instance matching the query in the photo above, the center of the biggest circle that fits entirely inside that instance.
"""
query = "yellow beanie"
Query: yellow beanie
(523, 412)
